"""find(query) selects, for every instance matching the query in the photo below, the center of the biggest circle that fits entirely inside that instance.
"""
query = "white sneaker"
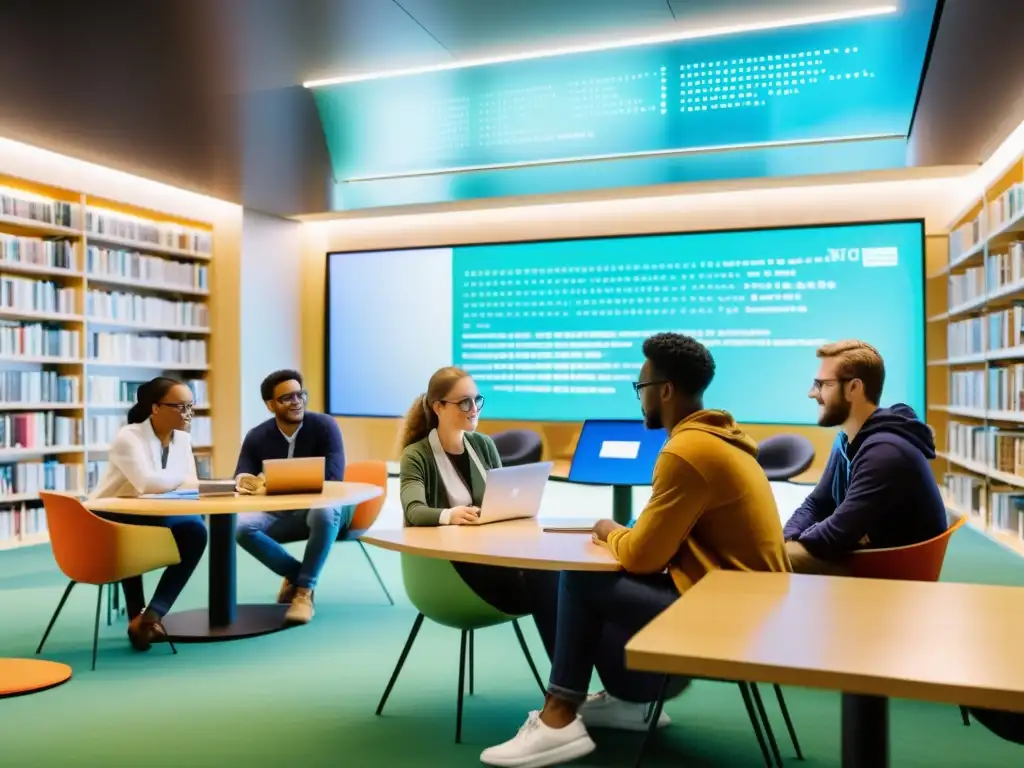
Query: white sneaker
(538, 745)
(603, 711)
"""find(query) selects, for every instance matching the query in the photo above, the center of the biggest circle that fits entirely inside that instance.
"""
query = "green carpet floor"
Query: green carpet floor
(307, 696)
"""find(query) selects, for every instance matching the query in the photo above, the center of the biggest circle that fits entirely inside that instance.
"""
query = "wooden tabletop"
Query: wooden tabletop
(945, 642)
(334, 494)
(513, 544)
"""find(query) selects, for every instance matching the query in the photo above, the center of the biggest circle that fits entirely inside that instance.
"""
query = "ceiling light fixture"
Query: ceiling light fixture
(692, 34)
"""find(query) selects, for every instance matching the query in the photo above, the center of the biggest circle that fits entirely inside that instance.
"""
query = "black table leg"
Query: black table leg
(622, 504)
(865, 731)
(224, 619)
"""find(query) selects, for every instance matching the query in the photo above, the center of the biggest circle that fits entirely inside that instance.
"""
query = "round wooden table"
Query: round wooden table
(224, 619)
(512, 544)
(19, 677)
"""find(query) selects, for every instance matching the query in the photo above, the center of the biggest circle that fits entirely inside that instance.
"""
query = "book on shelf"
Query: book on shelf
(39, 429)
(36, 252)
(99, 221)
(23, 206)
(1003, 269)
(38, 387)
(104, 306)
(38, 340)
(1006, 328)
(154, 271)
(965, 287)
(967, 389)
(21, 522)
(33, 477)
(23, 294)
(122, 348)
(115, 391)
(1006, 510)
(1006, 388)
(964, 238)
(966, 492)
(965, 337)
(1007, 207)
(998, 449)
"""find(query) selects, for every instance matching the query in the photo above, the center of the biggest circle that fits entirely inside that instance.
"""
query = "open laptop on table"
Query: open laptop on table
(304, 475)
(512, 493)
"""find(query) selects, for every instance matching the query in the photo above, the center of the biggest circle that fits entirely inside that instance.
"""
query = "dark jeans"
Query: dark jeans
(189, 533)
(517, 592)
(598, 613)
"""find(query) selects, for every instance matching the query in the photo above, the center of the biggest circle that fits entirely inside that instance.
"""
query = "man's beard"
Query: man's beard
(652, 420)
(835, 414)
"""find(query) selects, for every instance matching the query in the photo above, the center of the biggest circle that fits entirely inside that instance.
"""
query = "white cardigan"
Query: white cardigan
(134, 463)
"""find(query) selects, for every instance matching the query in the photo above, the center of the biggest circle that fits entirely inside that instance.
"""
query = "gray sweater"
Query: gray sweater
(422, 491)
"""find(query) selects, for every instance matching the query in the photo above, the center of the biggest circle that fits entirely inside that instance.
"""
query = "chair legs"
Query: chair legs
(416, 625)
(463, 653)
(375, 571)
(96, 625)
(526, 653)
(470, 662)
(789, 722)
(748, 702)
(56, 613)
(655, 715)
(965, 715)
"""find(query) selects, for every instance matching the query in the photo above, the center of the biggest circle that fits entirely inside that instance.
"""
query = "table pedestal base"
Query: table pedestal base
(250, 621)
(865, 731)
(19, 677)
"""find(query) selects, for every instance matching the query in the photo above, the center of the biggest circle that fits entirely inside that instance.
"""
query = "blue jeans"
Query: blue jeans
(597, 615)
(190, 535)
(261, 533)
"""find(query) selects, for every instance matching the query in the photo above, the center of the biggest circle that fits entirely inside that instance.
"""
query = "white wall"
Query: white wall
(271, 305)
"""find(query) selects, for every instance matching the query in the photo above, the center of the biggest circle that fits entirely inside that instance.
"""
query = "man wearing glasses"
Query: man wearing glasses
(292, 432)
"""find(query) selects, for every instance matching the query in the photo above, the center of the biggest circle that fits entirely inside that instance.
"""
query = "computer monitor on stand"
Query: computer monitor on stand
(620, 453)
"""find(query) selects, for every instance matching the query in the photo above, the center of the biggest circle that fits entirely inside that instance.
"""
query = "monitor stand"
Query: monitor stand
(622, 504)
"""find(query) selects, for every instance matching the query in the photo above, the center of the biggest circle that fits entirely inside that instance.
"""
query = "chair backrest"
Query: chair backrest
(914, 562)
(84, 545)
(518, 446)
(438, 592)
(785, 456)
(372, 473)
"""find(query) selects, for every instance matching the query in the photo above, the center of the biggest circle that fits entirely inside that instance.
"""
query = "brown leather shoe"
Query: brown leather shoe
(287, 592)
(141, 632)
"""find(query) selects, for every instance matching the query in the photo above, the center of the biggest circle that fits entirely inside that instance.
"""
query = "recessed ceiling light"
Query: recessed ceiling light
(691, 34)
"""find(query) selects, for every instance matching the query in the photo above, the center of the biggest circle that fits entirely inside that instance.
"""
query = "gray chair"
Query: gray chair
(518, 446)
(785, 456)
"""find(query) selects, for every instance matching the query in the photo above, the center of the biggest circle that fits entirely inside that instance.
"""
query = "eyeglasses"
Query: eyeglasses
(293, 397)
(466, 404)
(182, 408)
(639, 385)
(819, 383)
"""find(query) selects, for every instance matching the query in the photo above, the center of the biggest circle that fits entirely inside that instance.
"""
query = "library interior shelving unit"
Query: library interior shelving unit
(976, 362)
(96, 296)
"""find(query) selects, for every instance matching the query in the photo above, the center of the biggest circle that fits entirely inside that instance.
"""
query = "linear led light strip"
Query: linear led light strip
(625, 156)
(693, 34)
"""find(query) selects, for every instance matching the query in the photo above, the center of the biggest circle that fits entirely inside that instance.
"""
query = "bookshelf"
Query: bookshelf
(976, 361)
(96, 297)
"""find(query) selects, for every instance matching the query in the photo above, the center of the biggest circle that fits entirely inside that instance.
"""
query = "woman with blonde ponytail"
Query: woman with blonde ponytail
(443, 472)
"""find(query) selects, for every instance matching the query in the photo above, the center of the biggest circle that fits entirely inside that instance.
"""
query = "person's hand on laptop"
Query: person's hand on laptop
(464, 515)
(603, 527)
(249, 484)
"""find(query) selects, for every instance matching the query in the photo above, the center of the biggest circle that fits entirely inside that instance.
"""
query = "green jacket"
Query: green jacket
(423, 494)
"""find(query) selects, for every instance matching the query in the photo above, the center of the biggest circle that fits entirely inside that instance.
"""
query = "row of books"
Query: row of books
(38, 340)
(997, 507)
(102, 429)
(965, 337)
(1006, 328)
(40, 429)
(114, 390)
(967, 389)
(1006, 208)
(99, 221)
(23, 522)
(1002, 269)
(54, 254)
(964, 238)
(1002, 329)
(965, 287)
(156, 271)
(23, 294)
(151, 310)
(118, 348)
(1006, 388)
(33, 477)
(994, 447)
(18, 204)
(38, 387)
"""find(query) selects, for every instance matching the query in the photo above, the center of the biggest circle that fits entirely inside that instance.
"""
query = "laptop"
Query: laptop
(514, 492)
(294, 475)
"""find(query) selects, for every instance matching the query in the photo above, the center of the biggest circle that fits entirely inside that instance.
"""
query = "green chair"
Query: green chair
(438, 592)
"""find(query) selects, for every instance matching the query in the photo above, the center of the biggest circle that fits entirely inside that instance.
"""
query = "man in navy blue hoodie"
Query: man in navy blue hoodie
(878, 489)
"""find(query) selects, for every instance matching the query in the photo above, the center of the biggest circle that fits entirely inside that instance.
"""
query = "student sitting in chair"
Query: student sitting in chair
(878, 489)
(711, 507)
(292, 432)
(153, 454)
(443, 471)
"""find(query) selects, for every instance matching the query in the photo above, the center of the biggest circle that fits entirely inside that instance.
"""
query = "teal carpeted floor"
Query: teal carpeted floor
(307, 696)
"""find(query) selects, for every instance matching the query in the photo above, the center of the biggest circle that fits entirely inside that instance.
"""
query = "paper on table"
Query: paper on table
(186, 494)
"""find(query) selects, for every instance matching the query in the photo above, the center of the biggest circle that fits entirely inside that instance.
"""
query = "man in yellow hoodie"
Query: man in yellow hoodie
(711, 508)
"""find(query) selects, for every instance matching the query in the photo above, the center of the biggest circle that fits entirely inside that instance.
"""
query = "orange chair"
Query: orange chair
(91, 550)
(366, 514)
(913, 562)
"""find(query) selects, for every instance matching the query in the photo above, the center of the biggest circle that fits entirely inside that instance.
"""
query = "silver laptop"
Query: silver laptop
(294, 475)
(514, 492)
